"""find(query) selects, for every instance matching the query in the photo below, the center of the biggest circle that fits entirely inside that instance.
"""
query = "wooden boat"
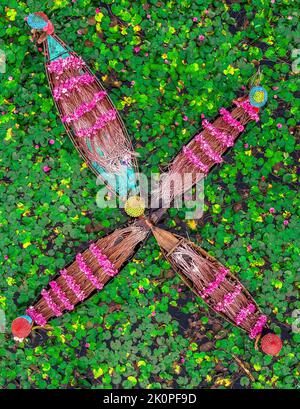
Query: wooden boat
(88, 114)
(201, 270)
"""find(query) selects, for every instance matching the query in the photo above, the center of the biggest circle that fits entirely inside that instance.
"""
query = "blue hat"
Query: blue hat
(258, 97)
(36, 21)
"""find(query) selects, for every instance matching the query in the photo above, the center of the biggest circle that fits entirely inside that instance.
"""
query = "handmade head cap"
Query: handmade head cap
(39, 21)
(271, 344)
(135, 206)
(21, 326)
(258, 97)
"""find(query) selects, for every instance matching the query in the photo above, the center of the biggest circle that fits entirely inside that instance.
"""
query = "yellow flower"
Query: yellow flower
(164, 56)
(65, 181)
(128, 100)
(192, 224)
(132, 379)
(11, 14)
(97, 372)
(230, 70)
(2, 301)
(10, 281)
(137, 28)
(216, 208)
(257, 367)
(8, 134)
(223, 381)
(27, 244)
(99, 17)
(60, 3)
(278, 284)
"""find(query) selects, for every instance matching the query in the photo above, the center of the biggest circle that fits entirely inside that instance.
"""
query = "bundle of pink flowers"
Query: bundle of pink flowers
(228, 118)
(228, 299)
(51, 304)
(214, 284)
(100, 123)
(258, 327)
(88, 272)
(223, 137)
(84, 108)
(61, 296)
(195, 160)
(103, 261)
(248, 108)
(208, 150)
(36, 317)
(61, 65)
(242, 315)
(72, 285)
(71, 84)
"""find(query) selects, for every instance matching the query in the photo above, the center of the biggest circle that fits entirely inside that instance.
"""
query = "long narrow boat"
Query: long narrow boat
(212, 282)
(205, 150)
(87, 112)
(89, 272)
